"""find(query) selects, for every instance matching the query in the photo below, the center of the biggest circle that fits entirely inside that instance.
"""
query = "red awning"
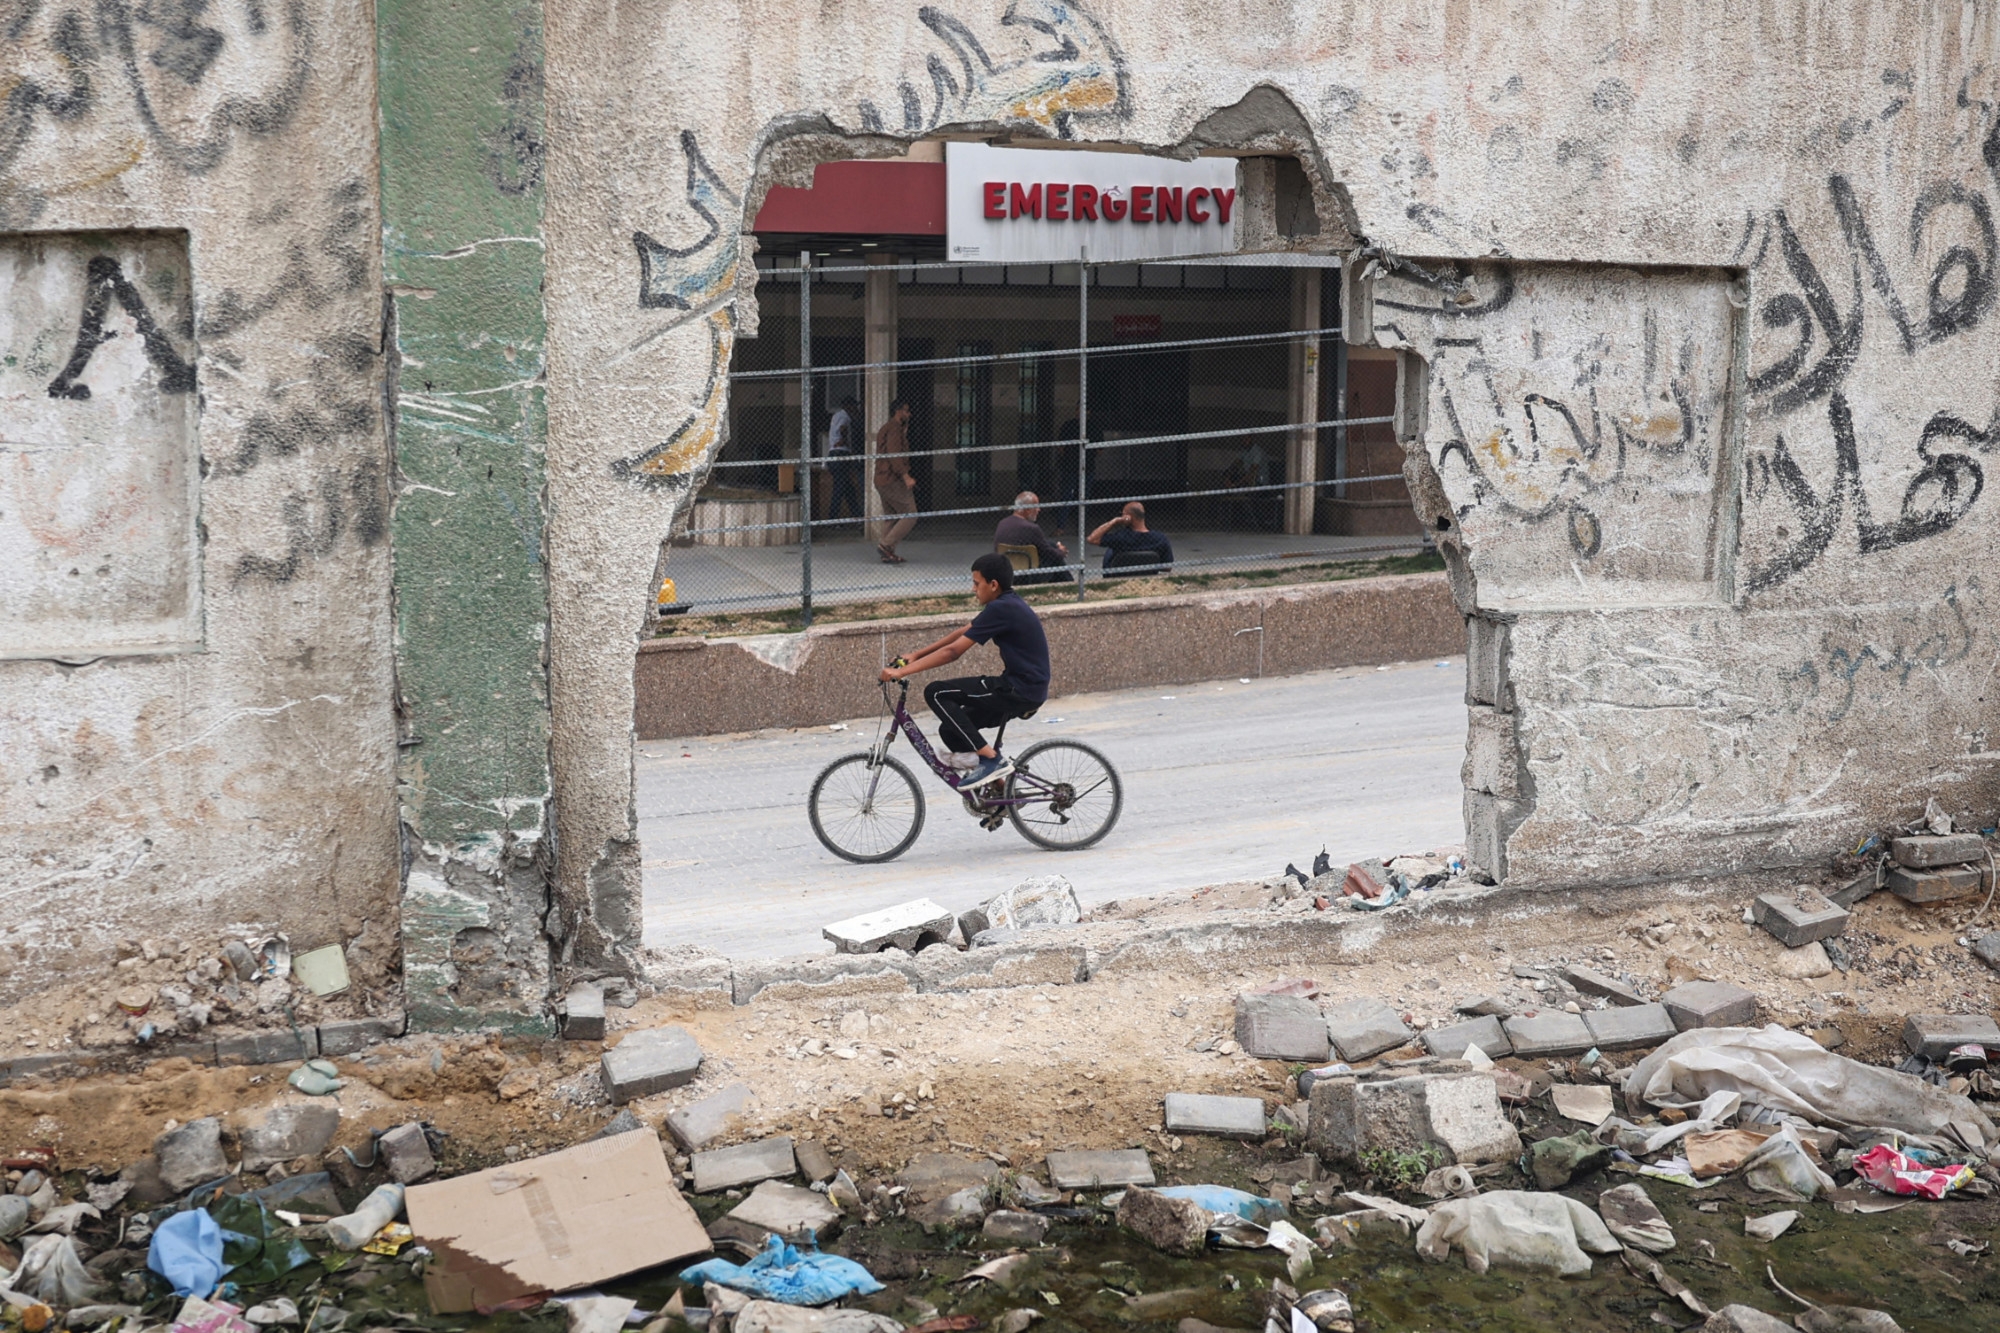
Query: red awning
(860, 199)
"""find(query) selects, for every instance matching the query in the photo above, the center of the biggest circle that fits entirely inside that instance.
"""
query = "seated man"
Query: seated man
(966, 704)
(1020, 529)
(1130, 545)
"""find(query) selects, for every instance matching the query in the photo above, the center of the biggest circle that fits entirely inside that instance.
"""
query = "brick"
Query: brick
(1591, 982)
(350, 1035)
(1934, 1035)
(701, 1123)
(1852, 892)
(934, 1175)
(648, 1061)
(744, 1164)
(907, 927)
(1486, 1033)
(271, 1047)
(1103, 1169)
(1365, 1027)
(1987, 949)
(1227, 1117)
(1710, 1004)
(1622, 1029)
(1549, 1034)
(1281, 1027)
(1926, 850)
(815, 1162)
(583, 1012)
(1798, 917)
(1933, 886)
(1458, 1112)
(407, 1153)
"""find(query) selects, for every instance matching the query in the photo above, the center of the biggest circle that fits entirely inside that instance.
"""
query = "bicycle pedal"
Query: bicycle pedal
(993, 821)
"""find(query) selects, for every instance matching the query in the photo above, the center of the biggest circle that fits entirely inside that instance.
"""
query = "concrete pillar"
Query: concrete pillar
(1302, 446)
(879, 380)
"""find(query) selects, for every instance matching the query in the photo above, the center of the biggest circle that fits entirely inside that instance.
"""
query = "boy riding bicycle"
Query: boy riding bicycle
(966, 704)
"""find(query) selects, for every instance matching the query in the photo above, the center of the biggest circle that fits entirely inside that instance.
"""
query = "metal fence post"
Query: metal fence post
(1082, 411)
(805, 439)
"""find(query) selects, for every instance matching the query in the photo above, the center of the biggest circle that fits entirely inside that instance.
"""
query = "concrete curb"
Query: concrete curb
(263, 1046)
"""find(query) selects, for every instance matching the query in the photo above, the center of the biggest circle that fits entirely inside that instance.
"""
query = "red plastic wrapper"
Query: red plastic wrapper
(1892, 1173)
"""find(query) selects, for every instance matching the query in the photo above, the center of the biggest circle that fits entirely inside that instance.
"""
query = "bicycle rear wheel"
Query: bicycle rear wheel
(1073, 795)
(865, 814)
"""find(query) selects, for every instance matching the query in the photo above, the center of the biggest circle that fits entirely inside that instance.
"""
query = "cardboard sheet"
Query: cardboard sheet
(547, 1224)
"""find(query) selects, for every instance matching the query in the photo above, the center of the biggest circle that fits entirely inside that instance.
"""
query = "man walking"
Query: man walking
(843, 439)
(893, 481)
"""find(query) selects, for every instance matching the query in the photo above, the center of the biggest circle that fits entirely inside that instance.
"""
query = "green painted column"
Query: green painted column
(461, 145)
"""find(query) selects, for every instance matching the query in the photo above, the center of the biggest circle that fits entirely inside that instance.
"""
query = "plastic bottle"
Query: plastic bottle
(378, 1210)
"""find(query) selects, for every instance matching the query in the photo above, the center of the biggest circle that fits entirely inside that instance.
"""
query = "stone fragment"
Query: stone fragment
(622, 1123)
(1927, 850)
(1798, 917)
(791, 1211)
(296, 1129)
(1592, 982)
(1013, 1228)
(1450, 1042)
(1457, 1112)
(1987, 949)
(1365, 1027)
(959, 1210)
(349, 1035)
(1045, 900)
(648, 1061)
(1101, 1169)
(1934, 1035)
(1280, 1027)
(744, 1164)
(1177, 1226)
(269, 1046)
(1630, 1214)
(406, 1153)
(701, 1123)
(1227, 1117)
(1710, 1004)
(1861, 886)
(908, 927)
(1743, 1319)
(815, 1162)
(241, 961)
(1484, 1006)
(933, 1175)
(191, 1155)
(143, 1174)
(1803, 963)
(583, 1012)
(1934, 886)
(1553, 1163)
(1549, 1033)
(1629, 1029)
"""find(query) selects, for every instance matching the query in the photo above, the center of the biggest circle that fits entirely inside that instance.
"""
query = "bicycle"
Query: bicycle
(866, 807)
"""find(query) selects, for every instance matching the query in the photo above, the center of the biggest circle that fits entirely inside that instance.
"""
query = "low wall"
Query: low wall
(697, 687)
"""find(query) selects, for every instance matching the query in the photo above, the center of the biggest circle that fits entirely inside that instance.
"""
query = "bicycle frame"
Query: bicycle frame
(901, 720)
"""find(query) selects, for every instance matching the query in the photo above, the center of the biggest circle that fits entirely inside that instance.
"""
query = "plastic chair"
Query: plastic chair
(1021, 557)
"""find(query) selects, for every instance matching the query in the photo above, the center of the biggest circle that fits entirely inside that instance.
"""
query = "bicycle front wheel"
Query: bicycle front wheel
(1070, 795)
(863, 813)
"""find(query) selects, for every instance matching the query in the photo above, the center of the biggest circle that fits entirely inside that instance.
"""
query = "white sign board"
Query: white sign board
(1042, 206)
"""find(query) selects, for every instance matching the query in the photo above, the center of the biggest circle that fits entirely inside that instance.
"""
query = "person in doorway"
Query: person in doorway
(1021, 529)
(1129, 544)
(966, 705)
(843, 461)
(893, 481)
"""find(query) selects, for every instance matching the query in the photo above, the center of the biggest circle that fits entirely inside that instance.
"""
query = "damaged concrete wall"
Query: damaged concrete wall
(195, 696)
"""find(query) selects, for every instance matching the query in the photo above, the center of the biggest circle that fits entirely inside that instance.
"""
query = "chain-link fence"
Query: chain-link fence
(889, 415)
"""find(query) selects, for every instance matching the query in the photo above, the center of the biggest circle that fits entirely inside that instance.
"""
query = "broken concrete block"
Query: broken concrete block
(1852, 892)
(1280, 1027)
(1925, 851)
(350, 1035)
(1798, 917)
(791, 1211)
(622, 1123)
(1457, 1112)
(1597, 983)
(1710, 1004)
(1226, 1117)
(648, 1061)
(297, 1129)
(1177, 1226)
(269, 1047)
(1485, 1005)
(908, 927)
(815, 1162)
(961, 1209)
(1933, 886)
(1046, 900)
(1013, 1228)
(1549, 1033)
(1987, 949)
(1103, 1169)
(1365, 1027)
(583, 1012)
(1934, 1035)
(191, 1155)
(744, 1164)
(1450, 1042)
(933, 1175)
(701, 1123)
(1628, 1029)
(406, 1153)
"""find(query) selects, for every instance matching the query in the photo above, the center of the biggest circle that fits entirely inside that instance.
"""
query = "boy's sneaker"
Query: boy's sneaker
(989, 770)
(963, 760)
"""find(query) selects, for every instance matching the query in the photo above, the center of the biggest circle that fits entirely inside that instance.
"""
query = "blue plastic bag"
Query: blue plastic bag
(787, 1275)
(187, 1252)
(1229, 1202)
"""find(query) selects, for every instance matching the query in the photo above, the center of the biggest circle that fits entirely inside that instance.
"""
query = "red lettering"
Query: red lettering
(1058, 201)
(1083, 203)
(1195, 212)
(1142, 203)
(1114, 208)
(1027, 201)
(1224, 201)
(996, 199)
(1169, 202)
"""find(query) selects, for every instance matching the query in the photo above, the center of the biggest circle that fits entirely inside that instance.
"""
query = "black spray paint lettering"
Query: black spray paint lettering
(354, 501)
(1836, 674)
(104, 282)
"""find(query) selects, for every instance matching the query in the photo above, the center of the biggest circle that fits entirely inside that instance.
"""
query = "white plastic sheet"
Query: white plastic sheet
(1543, 1233)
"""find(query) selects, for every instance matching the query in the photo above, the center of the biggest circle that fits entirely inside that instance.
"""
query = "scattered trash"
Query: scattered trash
(1221, 1201)
(1454, 1182)
(377, 1211)
(256, 1250)
(788, 1275)
(1327, 1310)
(316, 1078)
(279, 1311)
(1046, 900)
(1545, 1233)
(201, 1316)
(1895, 1173)
(186, 1250)
(322, 971)
(1554, 1163)
(1780, 1165)
(1589, 1103)
(1770, 1226)
(1630, 1214)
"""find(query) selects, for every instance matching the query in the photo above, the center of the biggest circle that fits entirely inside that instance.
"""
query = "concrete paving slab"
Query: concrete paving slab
(1364, 1027)
(1281, 1027)
(1486, 1033)
(790, 1211)
(1225, 1117)
(1592, 982)
(648, 1061)
(1625, 1029)
(1107, 1168)
(743, 1164)
(1549, 1034)
(1925, 850)
(1798, 917)
(906, 926)
(701, 1123)
(1710, 1004)
(1934, 1035)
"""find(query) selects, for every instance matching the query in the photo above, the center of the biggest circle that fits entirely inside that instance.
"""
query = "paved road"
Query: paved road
(1224, 780)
